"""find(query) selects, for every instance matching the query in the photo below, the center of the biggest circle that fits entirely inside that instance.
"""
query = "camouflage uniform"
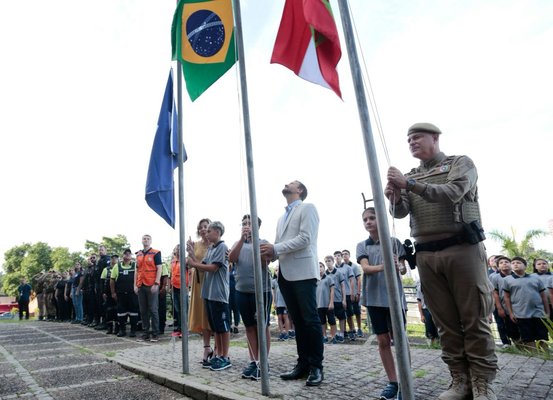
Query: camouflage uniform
(50, 281)
(37, 282)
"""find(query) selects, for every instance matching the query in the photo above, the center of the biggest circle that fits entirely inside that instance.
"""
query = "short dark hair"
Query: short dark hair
(303, 194)
(499, 258)
(522, 260)
(338, 252)
(536, 260)
(346, 251)
(371, 209)
(247, 216)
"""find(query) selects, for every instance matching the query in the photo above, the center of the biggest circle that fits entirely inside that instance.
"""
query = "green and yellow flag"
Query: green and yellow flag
(202, 39)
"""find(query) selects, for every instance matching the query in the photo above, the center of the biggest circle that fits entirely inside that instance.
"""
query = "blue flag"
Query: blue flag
(160, 186)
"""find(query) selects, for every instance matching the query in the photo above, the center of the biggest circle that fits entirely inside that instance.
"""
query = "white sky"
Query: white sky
(81, 85)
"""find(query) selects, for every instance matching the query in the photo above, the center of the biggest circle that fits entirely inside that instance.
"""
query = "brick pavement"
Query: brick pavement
(40, 352)
(351, 370)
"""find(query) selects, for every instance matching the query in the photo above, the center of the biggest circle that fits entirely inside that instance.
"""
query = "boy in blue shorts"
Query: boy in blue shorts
(375, 296)
(215, 292)
(339, 297)
(527, 304)
(325, 304)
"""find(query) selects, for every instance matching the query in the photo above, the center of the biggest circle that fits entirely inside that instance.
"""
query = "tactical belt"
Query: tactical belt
(439, 245)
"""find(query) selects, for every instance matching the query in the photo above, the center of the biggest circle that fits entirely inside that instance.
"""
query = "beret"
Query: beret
(423, 127)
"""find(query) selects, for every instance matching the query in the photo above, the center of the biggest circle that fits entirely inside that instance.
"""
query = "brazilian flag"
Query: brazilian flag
(202, 39)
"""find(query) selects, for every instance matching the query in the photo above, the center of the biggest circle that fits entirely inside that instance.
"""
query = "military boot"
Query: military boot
(110, 328)
(460, 387)
(482, 389)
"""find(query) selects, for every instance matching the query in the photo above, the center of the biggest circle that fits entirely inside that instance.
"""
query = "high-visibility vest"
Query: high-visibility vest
(146, 267)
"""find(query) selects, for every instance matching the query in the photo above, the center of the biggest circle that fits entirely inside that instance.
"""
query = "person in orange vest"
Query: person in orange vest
(146, 286)
(175, 284)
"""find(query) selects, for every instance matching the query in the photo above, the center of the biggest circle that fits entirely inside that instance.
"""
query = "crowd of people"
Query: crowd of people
(320, 302)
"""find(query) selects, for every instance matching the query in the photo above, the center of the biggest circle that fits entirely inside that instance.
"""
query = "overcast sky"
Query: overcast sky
(81, 85)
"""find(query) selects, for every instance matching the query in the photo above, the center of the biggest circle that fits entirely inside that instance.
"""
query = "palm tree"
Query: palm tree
(524, 248)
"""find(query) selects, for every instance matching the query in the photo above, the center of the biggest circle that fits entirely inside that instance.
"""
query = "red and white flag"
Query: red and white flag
(307, 42)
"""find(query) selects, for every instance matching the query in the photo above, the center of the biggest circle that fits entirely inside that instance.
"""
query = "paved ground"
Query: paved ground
(51, 360)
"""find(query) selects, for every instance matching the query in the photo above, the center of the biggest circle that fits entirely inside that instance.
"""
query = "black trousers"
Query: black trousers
(23, 308)
(301, 301)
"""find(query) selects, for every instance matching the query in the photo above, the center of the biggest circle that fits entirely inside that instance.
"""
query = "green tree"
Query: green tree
(37, 259)
(114, 245)
(62, 260)
(524, 248)
(13, 258)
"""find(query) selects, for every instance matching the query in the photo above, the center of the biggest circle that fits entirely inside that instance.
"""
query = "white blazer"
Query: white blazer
(296, 243)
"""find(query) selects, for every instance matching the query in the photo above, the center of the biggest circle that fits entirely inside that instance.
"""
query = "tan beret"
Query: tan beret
(423, 127)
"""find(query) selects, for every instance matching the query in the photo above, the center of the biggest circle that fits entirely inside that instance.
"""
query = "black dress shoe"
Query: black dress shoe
(315, 377)
(298, 372)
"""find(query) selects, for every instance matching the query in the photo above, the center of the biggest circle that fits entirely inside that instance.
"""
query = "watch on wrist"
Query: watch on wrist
(410, 184)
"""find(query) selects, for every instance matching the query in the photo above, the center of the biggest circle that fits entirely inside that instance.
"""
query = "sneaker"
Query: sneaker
(325, 340)
(359, 333)
(389, 392)
(144, 338)
(482, 389)
(256, 375)
(154, 338)
(207, 363)
(352, 336)
(221, 364)
(249, 370)
(235, 329)
(292, 334)
(339, 339)
(283, 337)
(333, 341)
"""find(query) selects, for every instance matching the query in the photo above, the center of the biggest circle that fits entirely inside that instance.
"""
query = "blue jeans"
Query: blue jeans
(77, 304)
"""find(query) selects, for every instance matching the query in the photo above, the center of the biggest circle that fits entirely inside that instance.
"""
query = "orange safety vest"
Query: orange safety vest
(146, 267)
(175, 274)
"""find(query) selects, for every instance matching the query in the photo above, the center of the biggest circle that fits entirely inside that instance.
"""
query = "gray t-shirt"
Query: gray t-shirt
(338, 279)
(525, 294)
(348, 274)
(357, 272)
(277, 296)
(323, 291)
(216, 284)
(244, 277)
(374, 285)
(497, 279)
(546, 279)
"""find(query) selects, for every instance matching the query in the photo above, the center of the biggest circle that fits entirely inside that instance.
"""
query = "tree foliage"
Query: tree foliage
(524, 248)
(26, 260)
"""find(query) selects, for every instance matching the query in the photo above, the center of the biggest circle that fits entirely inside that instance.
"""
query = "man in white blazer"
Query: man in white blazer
(296, 250)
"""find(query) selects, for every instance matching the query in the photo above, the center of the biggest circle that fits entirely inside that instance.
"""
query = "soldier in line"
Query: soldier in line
(37, 283)
(99, 306)
(51, 279)
(109, 305)
(122, 291)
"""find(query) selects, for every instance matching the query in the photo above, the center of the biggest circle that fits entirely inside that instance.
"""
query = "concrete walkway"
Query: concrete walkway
(352, 370)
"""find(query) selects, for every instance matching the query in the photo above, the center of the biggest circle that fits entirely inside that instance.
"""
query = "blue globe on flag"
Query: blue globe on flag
(205, 33)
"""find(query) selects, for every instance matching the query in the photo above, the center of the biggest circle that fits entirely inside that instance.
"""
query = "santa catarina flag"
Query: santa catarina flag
(307, 42)
(202, 39)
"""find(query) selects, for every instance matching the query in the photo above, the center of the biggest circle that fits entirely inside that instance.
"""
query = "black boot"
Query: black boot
(116, 328)
(122, 329)
(110, 328)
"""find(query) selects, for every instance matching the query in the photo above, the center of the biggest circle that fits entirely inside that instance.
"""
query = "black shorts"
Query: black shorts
(282, 311)
(356, 307)
(531, 329)
(326, 314)
(349, 306)
(339, 311)
(381, 320)
(247, 306)
(218, 316)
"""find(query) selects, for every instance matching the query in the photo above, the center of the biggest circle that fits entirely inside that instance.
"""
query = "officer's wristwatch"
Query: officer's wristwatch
(410, 184)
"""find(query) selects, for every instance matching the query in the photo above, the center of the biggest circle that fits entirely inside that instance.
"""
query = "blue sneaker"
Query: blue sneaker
(333, 341)
(210, 361)
(359, 333)
(220, 364)
(389, 392)
(339, 338)
(325, 339)
(249, 370)
(283, 337)
(292, 334)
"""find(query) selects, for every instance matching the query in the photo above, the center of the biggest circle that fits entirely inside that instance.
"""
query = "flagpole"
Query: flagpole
(182, 240)
(257, 271)
(400, 337)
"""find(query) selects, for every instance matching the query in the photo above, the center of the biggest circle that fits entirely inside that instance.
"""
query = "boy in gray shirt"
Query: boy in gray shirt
(325, 304)
(526, 303)
(375, 295)
(215, 292)
(339, 297)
